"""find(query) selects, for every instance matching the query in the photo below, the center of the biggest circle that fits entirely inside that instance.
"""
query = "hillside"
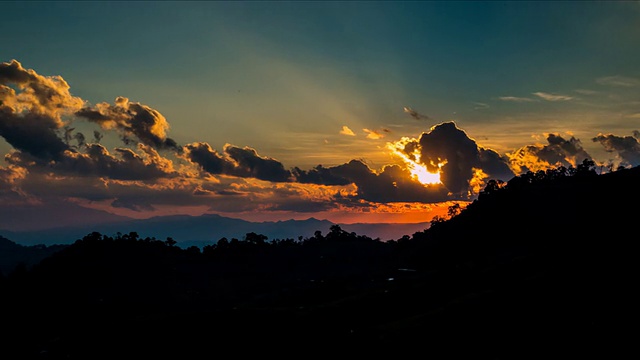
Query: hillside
(544, 263)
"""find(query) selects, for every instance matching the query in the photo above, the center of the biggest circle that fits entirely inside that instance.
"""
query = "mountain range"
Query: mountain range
(206, 229)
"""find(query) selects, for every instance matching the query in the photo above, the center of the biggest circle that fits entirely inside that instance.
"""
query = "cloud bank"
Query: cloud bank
(148, 170)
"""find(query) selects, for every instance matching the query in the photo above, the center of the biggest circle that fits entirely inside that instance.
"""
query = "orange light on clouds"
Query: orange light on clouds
(412, 161)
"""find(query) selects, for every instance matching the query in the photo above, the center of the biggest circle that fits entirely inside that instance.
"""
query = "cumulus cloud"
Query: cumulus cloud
(131, 118)
(242, 162)
(558, 152)
(449, 150)
(445, 149)
(346, 131)
(31, 110)
(250, 164)
(391, 184)
(37, 94)
(552, 97)
(627, 148)
(98, 162)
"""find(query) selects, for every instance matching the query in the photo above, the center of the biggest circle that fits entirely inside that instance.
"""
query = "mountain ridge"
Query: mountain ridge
(201, 230)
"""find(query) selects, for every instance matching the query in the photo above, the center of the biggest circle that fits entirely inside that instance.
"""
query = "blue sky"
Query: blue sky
(290, 80)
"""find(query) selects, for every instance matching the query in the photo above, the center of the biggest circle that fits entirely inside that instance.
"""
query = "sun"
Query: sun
(418, 170)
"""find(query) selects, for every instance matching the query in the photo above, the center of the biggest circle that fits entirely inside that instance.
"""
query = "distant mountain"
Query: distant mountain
(19, 218)
(207, 229)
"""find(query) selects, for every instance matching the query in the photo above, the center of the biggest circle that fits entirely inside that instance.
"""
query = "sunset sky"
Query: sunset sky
(347, 111)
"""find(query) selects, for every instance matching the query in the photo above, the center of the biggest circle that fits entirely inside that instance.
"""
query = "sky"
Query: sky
(351, 111)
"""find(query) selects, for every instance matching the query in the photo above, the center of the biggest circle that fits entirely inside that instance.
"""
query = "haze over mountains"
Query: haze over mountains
(200, 230)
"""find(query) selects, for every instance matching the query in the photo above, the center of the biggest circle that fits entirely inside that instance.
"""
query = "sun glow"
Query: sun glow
(411, 159)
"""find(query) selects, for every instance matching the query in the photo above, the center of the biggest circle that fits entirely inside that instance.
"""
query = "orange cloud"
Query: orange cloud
(373, 134)
(346, 131)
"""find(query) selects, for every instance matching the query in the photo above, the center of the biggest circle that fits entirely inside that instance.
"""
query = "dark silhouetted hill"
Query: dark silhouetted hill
(541, 266)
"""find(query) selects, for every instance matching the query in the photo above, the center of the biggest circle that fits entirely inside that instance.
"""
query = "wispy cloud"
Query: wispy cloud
(414, 114)
(346, 131)
(373, 134)
(618, 80)
(516, 99)
(586, 92)
(552, 97)
(480, 106)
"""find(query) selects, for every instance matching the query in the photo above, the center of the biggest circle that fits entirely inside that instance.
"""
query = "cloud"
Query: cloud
(558, 152)
(149, 173)
(98, 162)
(47, 96)
(131, 118)
(617, 80)
(445, 144)
(391, 184)
(414, 114)
(448, 149)
(516, 99)
(373, 134)
(480, 106)
(346, 131)
(31, 110)
(242, 162)
(552, 97)
(626, 147)
(319, 175)
(9, 184)
(250, 164)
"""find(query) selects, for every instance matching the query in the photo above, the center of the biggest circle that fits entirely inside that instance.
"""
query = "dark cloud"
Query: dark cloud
(448, 149)
(626, 147)
(414, 114)
(494, 165)
(395, 184)
(33, 134)
(98, 162)
(392, 184)
(319, 175)
(242, 162)
(209, 159)
(132, 118)
(559, 152)
(250, 164)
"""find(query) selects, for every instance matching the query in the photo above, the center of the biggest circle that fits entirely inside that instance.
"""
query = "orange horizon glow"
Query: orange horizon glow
(397, 213)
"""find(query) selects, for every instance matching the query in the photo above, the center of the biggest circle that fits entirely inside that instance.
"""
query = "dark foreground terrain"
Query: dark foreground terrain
(544, 266)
